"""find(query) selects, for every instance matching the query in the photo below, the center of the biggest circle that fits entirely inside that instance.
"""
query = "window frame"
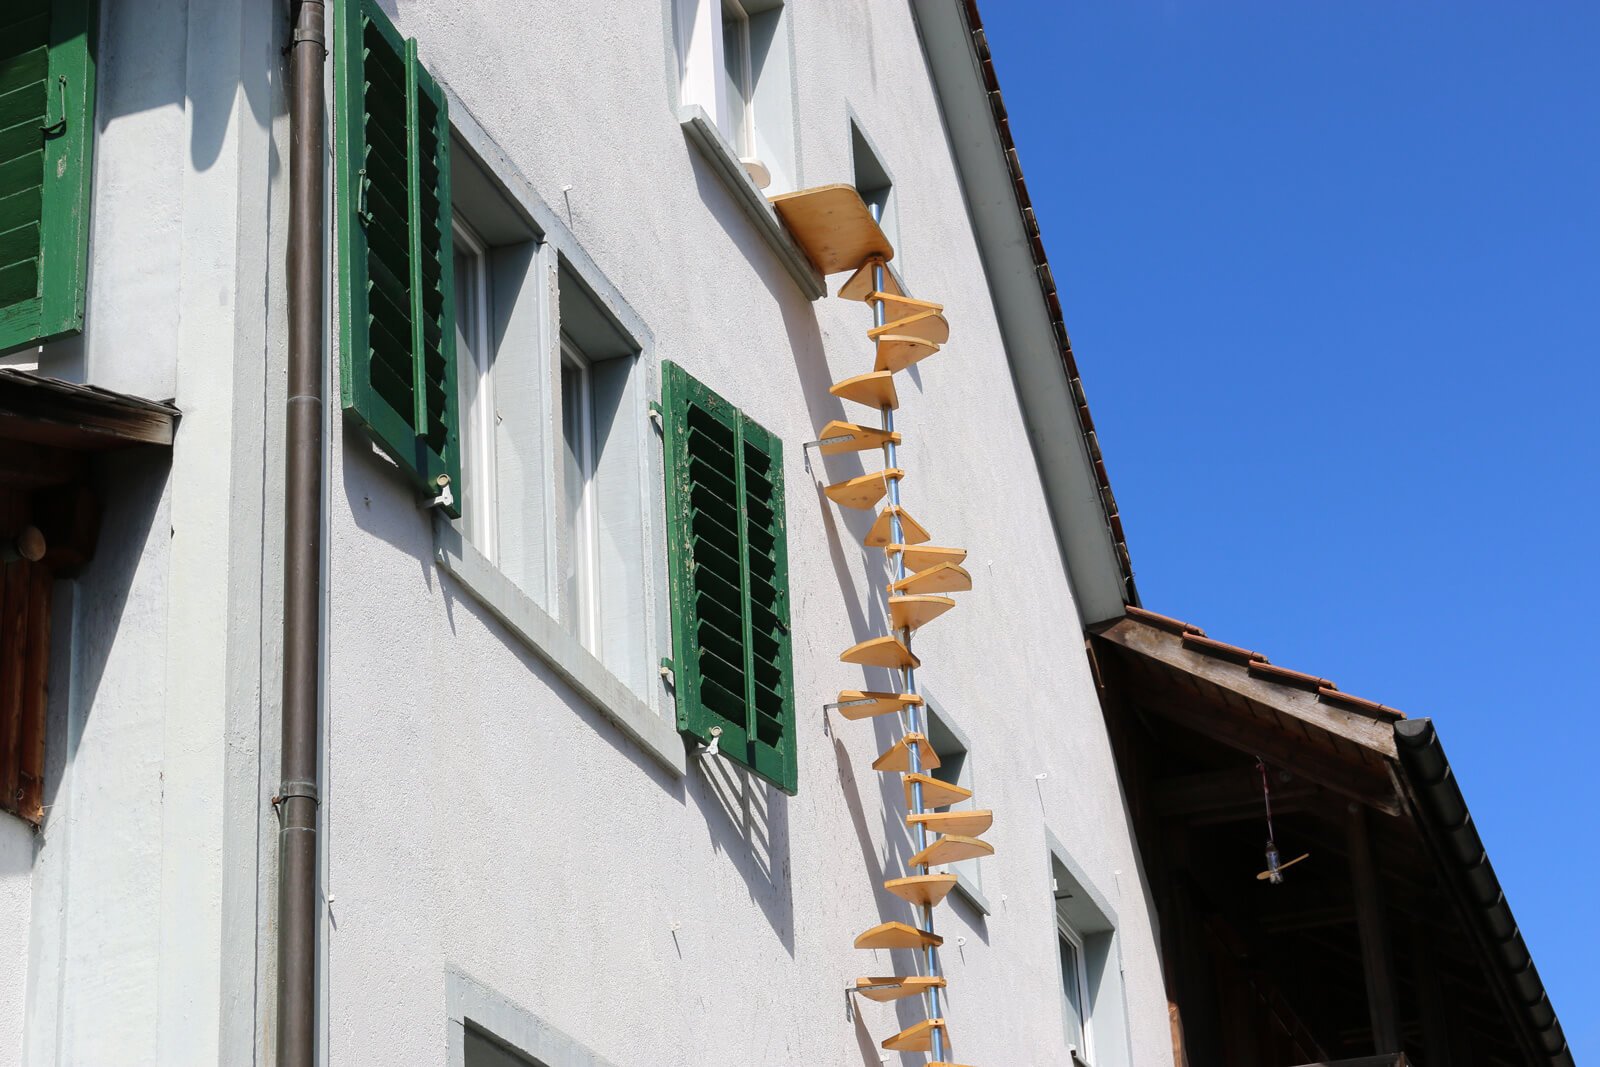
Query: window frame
(581, 607)
(744, 141)
(1080, 977)
(479, 503)
(644, 718)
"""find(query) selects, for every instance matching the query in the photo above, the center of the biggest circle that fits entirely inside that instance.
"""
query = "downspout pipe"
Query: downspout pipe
(297, 799)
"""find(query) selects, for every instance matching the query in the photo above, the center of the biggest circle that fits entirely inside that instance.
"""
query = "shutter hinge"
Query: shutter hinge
(60, 125)
(445, 498)
(657, 416)
(667, 676)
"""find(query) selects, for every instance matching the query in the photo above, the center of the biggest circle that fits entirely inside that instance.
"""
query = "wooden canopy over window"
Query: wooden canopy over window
(1378, 944)
(49, 523)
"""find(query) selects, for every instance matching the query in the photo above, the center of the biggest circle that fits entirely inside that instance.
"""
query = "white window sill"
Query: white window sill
(484, 582)
(965, 887)
(702, 132)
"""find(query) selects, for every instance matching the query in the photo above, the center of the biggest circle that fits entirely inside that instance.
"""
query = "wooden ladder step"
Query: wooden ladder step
(923, 890)
(864, 704)
(882, 533)
(897, 757)
(839, 436)
(832, 225)
(951, 848)
(875, 389)
(886, 989)
(913, 612)
(881, 652)
(898, 935)
(862, 492)
(939, 578)
(919, 557)
(918, 1038)
(896, 351)
(859, 285)
(935, 794)
(897, 305)
(928, 326)
(942, 1063)
(969, 823)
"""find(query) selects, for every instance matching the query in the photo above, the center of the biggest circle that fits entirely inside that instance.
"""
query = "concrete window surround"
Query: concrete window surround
(948, 738)
(641, 710)
(498, 1033)
(1080, 906)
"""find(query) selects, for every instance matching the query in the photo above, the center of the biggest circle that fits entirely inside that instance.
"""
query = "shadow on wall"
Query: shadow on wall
(749, 821)
(132, 486)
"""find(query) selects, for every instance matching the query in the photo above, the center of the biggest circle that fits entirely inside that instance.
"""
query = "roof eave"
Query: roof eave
(1077, 490)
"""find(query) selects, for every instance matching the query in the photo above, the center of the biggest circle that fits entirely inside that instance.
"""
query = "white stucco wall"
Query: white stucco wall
(485, 827)
(483, 821)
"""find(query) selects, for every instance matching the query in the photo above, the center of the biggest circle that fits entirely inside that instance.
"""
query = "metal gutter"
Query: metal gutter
(1441, 807)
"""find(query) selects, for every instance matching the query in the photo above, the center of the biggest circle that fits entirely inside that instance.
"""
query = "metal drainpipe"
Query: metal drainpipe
(297, 799)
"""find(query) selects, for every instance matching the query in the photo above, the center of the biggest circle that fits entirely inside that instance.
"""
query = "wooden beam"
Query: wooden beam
(79, 416)
(1251, 735)
(1376, 959)
(1226, 796)
(1167, 648)
(29, 465)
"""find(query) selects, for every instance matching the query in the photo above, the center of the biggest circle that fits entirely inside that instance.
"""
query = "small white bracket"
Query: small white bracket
(445, 498)
(716, 741)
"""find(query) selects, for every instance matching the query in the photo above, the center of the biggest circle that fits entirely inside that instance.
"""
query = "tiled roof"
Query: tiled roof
(1047, 284)
(1195, 640)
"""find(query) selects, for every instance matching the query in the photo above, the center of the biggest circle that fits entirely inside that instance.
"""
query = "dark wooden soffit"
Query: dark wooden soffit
(79, 418)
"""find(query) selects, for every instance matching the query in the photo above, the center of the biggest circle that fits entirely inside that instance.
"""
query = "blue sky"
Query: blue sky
(1332, 273)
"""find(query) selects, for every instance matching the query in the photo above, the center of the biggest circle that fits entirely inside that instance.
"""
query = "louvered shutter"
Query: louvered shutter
(46, 138)
(729, 574)
(392, 159)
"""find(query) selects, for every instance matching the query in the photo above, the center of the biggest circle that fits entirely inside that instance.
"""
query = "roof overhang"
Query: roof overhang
(1040, 354)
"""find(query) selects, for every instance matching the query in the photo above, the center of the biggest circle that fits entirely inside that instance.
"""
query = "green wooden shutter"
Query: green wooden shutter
(729, 576)
(46, 140)
(396, 297)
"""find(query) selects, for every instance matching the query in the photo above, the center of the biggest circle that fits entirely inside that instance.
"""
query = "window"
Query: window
(733, 61)
(1094, 1015)
(397, 367)
(555, 438)
(1075, 989)
(46, 139)
(729, 576)
(955, 767)
(873, 183)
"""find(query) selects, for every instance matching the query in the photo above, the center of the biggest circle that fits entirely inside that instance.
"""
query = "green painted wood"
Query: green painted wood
(728, 577)
(397, 373)
(46, 144)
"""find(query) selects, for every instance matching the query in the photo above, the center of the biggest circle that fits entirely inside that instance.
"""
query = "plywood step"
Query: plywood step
(898, 935)
(897, 757)
(939, 578)
(897, 351)
(935, 794)
(859, 285)
(897, 305)
(882, 533)
(918, 1038)
(832, 225)
(886, 989)
(864, 704)
(923, 890)
(875, 389)
(840, 436)
(912, 612)
(927, 326)
(863, 492)
(920, 557)
(951, 848)
(966, 823)
(881, 652)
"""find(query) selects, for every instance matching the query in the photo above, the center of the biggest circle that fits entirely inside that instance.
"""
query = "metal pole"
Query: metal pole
(297, 799)
(914, 753)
